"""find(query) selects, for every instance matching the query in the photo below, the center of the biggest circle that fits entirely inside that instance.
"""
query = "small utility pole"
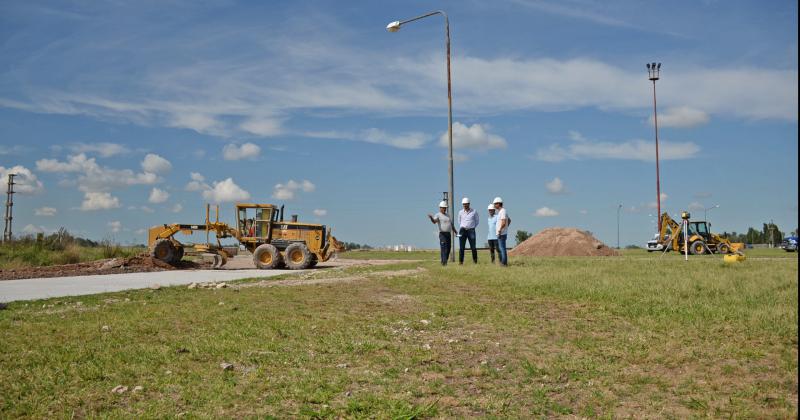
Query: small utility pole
(9, 208)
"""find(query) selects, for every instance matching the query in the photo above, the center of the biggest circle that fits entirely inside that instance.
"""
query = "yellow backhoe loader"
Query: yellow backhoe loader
(700, 238)
(261, 229)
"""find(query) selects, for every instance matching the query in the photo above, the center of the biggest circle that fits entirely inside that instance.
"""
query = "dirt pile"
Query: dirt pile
(562, 242)
(136, 264)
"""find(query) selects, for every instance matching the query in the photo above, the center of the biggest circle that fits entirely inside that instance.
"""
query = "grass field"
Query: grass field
(30, 254)
(637, 335)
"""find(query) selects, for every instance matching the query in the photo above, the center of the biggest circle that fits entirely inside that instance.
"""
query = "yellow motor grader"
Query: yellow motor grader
(261, 229)
(700, 238)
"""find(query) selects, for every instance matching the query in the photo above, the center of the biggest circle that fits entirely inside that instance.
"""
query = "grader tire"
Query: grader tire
(697, 248)
(267, 257)
(178, 256)
(723, 249)
(163, 250)
(298, 257)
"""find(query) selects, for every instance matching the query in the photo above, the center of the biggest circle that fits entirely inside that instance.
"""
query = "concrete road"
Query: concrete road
(26, 289)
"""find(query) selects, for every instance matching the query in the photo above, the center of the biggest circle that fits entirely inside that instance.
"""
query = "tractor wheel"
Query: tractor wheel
(178, 255)
(267, 257)
(697, 248)
(163, 250)
(298, 257)
(723, 249)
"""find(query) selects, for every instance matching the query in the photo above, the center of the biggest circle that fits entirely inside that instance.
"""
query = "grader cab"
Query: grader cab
(261, 229)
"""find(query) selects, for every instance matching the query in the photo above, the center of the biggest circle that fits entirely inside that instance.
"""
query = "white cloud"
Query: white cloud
(225, 190)
(654, 205)
(581, 148)
(74, 163)
(33, 229)
(45, 211)
(406, 140)
(476, 136)
(244, 151)
(197, 182)
(103, 149)
(695, 206)
(545, 212)
(157, 195)
(583, 211)
(320, 212)
(115, 226)
(411, 140)
(201, 122)
(556, 186)
(26, 181)
(155, 164)
(147, 209)
(94, 177)
(265, 127)
(177, 208)
(681, 117)
(287, 191)
(99, 201)
(702, 194)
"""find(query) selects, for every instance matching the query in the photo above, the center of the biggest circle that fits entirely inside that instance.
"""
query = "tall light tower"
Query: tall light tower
(619, 207)
(9, 208)
(653, 72)
(394, 27)
(706, 209)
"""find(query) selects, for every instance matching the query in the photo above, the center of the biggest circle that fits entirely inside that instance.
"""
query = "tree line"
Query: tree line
(769, 234)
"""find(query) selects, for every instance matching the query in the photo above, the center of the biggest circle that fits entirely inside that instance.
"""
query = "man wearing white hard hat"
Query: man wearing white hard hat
(445, 231)
(467, 222)
(492, 236)
(503, 221)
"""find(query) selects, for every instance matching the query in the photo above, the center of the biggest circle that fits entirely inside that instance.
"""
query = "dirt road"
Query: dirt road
(240, 267)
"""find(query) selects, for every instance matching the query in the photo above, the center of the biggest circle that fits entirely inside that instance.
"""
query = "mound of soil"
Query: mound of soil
(136, 264)
(562, 242)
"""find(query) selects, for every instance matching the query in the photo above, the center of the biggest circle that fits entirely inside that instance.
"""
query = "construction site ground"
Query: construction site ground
(638, 335)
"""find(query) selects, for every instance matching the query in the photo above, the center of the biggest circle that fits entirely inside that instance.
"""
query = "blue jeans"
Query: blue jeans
(445, 243)
(467, 234)
(501, 249)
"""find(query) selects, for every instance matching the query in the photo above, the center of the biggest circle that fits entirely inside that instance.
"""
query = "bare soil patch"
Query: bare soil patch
(562, 242)
(137, 264)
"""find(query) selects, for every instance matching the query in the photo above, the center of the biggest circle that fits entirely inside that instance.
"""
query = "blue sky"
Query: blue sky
(123, 115)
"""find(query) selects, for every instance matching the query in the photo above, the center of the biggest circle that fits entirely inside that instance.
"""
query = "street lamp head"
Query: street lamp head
(394, 26)
(648, 66)
(659, 66)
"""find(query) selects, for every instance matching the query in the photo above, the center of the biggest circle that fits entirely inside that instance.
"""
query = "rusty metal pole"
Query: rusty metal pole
(394, 27)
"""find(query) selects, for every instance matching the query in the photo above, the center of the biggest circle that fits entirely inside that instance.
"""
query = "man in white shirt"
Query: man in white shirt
(467, 222)
(503, 221)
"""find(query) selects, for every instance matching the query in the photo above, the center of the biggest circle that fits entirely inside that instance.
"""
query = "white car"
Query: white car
(653, 245)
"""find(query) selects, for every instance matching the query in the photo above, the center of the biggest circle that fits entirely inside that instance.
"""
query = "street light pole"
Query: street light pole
(705, 211)
(618, 210)
(394, 27)
(654, 71)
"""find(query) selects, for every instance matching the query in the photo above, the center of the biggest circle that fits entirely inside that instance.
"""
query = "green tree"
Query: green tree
(522, 235)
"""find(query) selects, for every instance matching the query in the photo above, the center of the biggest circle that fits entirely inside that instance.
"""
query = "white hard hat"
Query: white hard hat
(491, 207)
(497, 200)
(443, 204)
(465, 200)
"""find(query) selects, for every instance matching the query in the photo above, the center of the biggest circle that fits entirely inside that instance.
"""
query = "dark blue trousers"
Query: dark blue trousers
(445, 243)
(467, 235)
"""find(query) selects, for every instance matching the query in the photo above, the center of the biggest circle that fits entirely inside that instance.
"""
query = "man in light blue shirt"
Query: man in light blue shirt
(492, 236)
(467, 222)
